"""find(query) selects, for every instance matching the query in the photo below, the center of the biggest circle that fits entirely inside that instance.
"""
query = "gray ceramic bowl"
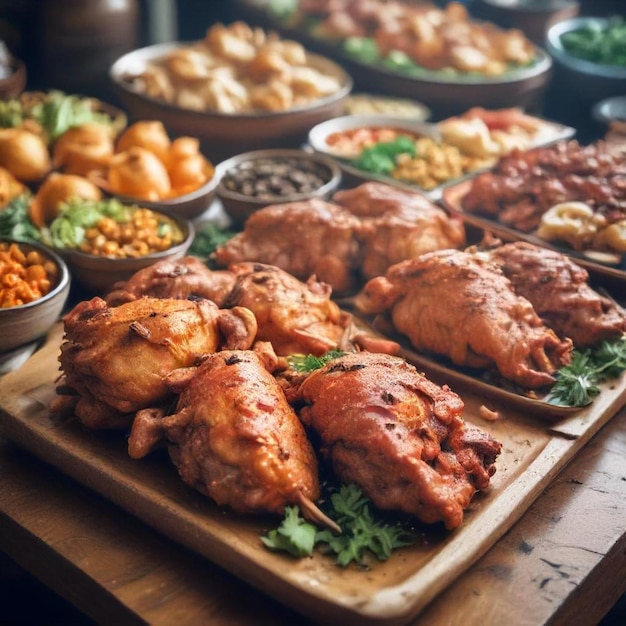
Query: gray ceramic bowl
(319, 134)
(611, 110)
(21, 325)
(97, 274)
(240, 206)
(225, 135)
(588, 82)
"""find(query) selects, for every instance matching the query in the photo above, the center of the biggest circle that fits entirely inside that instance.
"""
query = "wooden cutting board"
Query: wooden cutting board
(391, 592)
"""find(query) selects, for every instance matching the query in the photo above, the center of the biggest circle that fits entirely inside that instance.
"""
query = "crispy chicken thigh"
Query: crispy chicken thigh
(458, 305)
(398, 436)
(115, 360)
(234, 436)
(295, 317)
(303, 238)
(183, 278)
(558, 290)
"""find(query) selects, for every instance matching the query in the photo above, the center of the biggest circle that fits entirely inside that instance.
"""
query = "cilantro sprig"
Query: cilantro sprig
(381, 157)
(577, 384)
(361, 533)
(309, 362)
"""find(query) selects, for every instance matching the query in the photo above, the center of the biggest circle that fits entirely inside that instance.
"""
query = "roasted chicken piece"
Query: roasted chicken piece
(456, 304)
(398, 436)
(183, 278)
(559, 291)
(307, 238)
(234, 437)
(295, 317)
(397, 225)
(114, 361)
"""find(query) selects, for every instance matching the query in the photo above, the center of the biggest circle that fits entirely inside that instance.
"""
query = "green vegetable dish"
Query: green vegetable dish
(55, 112)
(598, 43)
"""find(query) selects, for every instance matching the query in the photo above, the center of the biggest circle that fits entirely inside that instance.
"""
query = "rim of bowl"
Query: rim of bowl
(320, 132)
(64, 272)
(185, 223)
(134, 61)
(532, 6)
(556, 49)
(175, 202)
(305, 155)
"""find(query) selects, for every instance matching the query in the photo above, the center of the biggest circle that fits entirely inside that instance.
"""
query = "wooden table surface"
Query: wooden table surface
(564, 562)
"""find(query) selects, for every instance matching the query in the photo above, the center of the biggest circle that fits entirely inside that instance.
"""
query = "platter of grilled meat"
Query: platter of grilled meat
(180, 395)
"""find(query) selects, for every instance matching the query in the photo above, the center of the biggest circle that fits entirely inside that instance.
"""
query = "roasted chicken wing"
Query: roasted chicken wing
(183, 278)
(295, 317)
(456, 304)
(559, 291)
(114, 361)
(398, 436)
(234, 437)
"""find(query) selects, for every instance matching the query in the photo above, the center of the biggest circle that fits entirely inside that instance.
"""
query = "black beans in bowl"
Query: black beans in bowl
(256, 179)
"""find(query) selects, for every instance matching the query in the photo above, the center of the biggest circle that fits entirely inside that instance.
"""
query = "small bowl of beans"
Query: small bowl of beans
(107, 241)
(34, 286)
(253, 180)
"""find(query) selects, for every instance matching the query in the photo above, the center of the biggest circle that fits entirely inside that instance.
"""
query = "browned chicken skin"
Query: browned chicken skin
(398, 436)
(183, 278)
(559, 291)
(458, 305)
(295, 317)
(356, 236)
(115, 360)
(234, 436)
(397, 225)
(303, 238)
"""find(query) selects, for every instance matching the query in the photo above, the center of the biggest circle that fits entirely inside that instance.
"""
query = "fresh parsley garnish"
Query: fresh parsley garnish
(361, 534)
(309, 362)
(15, 222)
(577, 384)
(208, 238)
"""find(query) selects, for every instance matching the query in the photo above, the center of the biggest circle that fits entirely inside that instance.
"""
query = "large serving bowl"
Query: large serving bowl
(242, 174)
(26, 323)
(225, 135)
(584, 81)
(533, 17)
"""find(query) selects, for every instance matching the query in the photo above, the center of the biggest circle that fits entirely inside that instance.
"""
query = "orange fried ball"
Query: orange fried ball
(81, 149)
(24, 154)
(188, 167)
(149, 134)
(139, 173)
(56, 190)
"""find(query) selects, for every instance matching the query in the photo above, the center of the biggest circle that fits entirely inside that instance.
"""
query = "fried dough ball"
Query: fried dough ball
(149, 134)
(139, 173)
(56, 190)
(188, 168)
(10, 187)
(24, 154)
(81, 149)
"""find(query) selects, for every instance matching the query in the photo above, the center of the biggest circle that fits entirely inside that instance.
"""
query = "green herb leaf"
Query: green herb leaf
(208, 239)
(577, 383)
(381, 157)
(295, 535)
(310, 362)
(361, 533)
(15, 220)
